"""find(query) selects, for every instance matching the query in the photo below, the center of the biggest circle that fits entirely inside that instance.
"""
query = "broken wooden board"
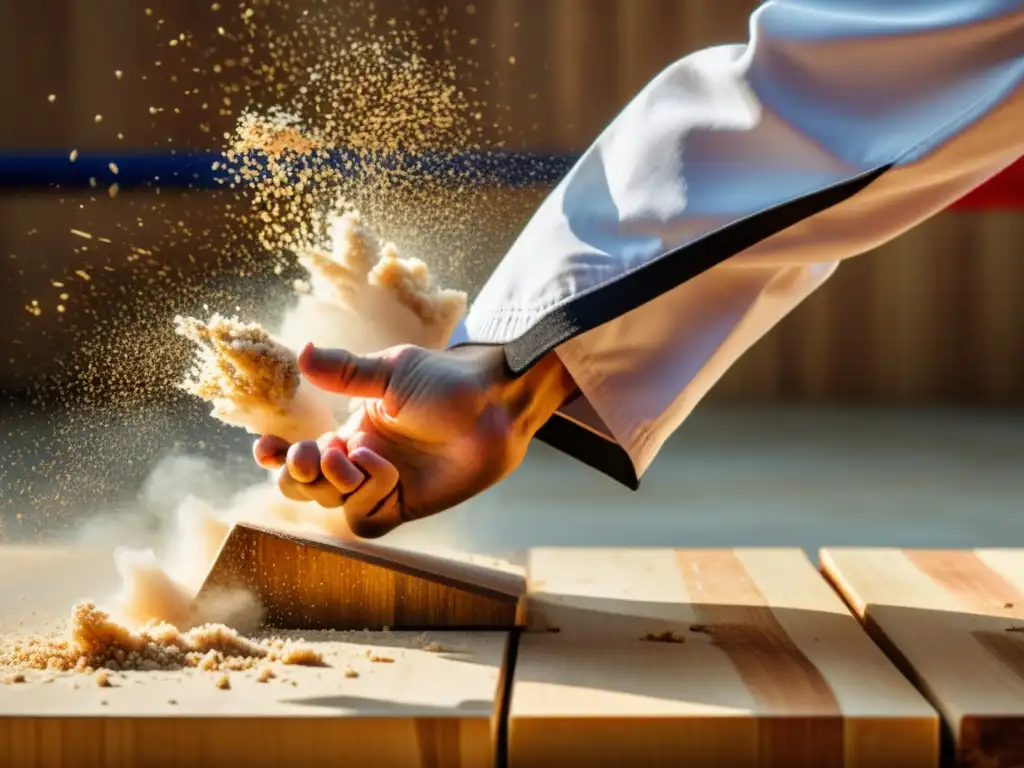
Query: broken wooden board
(315, 582)
(954, 622)
(749, 659)
(409, 707)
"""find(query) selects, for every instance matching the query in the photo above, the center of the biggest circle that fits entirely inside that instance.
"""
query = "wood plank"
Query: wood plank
(315, 582)
(954, 621)
(437, 702)
(424, 709)
(772, 669)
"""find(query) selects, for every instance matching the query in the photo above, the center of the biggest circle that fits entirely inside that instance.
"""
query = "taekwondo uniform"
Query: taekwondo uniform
(732, 187)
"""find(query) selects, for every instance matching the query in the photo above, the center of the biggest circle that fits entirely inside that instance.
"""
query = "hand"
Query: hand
(434, 429)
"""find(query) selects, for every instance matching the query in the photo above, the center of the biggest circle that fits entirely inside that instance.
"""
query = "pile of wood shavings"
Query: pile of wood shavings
(239, 362)
(94, 641)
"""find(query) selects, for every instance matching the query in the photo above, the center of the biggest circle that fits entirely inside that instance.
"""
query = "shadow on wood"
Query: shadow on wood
(312, 582)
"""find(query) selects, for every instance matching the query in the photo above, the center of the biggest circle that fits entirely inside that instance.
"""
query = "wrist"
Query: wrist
(541, 391)
(532, 397)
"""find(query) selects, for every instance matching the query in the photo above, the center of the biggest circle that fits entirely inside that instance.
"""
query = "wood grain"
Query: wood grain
(312, 582)
(422, 709)
(771, 670)
(429, 708)
(949, 618)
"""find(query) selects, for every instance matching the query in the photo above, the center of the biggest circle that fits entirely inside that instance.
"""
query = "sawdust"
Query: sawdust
(252, 380)
(368, 118)
(240, 362)
(667, 636)
(93, 642)
(368, 115)
(265, 675)
(364, 296)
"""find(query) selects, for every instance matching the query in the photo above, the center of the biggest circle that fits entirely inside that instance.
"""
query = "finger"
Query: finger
(382, 518)
(340, 472)
(288, 486)
(320, 492)
(341, 372)
(304, 461)
(374, 509)
(330, 440)
(270, 452)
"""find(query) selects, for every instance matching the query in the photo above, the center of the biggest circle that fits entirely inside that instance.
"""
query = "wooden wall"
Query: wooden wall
(936, 315)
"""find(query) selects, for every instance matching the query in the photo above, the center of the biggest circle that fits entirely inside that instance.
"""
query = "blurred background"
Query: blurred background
(885, 410)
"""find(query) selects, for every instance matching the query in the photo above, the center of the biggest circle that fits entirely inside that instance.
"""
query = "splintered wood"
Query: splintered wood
(704, 658)
(312, 582)
(954, 621)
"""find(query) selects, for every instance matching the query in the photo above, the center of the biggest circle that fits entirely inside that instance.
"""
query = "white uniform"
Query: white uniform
(730, 188)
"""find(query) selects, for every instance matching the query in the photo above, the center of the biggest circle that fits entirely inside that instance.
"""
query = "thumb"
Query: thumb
(341, 372)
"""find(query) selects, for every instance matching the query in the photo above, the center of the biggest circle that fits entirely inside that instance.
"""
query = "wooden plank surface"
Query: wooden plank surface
(772, 669)
(422, 709)
(315, 582)
(954, 620)
(417, 700)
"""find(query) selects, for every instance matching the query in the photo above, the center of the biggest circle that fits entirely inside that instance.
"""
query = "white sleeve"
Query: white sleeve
(729, 189)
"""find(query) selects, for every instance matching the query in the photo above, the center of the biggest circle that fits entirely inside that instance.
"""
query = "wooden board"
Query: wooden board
(424, 709)
(772, 671)
(948, 617)
(435, 707)
(312, 582)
